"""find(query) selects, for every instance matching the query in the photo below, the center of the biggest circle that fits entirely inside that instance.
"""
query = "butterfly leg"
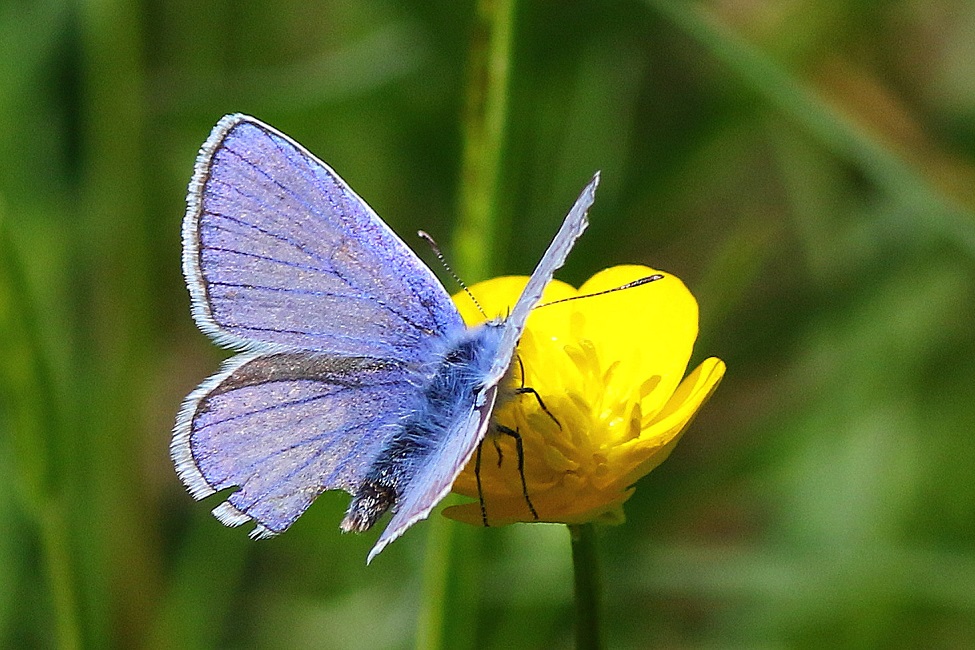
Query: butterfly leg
(531, 391)
(520, 449)
(523, 390)
(497, 448)
(477, 477)
(477, 474)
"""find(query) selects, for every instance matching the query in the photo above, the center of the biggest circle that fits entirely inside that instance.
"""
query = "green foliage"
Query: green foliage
(805, 166)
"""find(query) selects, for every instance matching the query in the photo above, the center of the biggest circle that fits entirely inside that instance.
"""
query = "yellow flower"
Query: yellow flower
(610, 369)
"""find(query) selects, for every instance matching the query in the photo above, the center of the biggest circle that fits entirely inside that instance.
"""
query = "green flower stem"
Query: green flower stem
(485, 119)
(430, 628)
(585, 566)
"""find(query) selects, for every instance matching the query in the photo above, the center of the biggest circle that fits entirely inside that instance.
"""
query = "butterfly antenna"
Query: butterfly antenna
(436, 251)
(628, 285)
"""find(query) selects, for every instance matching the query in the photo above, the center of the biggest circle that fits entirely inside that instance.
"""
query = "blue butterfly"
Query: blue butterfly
(355, 370)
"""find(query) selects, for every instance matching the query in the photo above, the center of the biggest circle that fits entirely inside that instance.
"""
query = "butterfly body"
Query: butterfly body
(454, 394)
(355, 372)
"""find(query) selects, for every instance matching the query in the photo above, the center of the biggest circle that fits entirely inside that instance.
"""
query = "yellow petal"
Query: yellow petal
(573, 506)
(609, 369)
(651, 329)
(660, 436)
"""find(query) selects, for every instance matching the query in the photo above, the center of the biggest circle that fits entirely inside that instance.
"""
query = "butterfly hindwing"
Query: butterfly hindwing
(283, 428)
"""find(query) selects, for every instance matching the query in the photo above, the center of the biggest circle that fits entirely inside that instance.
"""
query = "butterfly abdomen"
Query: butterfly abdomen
(449, 400)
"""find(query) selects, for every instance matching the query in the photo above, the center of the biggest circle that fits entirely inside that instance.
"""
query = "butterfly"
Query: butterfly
(354, 369)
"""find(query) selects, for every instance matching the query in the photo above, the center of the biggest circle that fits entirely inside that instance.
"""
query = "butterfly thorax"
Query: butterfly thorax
(459, 388)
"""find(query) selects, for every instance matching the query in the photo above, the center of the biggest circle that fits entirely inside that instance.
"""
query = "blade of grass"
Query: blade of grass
(930, 208)
(433, 599)
(30, 408)
(122, 562)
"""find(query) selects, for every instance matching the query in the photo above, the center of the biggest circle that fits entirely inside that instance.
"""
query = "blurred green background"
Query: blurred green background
(806, 166)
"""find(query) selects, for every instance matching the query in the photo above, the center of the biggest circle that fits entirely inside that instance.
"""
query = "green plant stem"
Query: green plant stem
(60, 572)
(484, 124)
(585, 567)
(430, 627)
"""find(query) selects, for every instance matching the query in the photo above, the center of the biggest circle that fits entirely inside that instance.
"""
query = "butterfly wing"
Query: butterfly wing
(284, 427)
(496, 343)
(573, 226)
(279, 251)
(434, 478)
(334, 313)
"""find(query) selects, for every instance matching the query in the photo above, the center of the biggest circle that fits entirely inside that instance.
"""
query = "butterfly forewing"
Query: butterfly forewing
(573, 226)
(279, 250)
